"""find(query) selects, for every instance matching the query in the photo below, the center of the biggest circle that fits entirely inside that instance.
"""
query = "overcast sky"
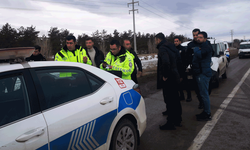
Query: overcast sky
(215, 17)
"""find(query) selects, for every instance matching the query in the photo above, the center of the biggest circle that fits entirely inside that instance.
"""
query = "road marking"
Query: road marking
(206, 130)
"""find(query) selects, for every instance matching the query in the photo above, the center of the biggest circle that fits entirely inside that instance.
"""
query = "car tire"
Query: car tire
(125, 134)
(224, 76)
(217, 80)
(240, 57)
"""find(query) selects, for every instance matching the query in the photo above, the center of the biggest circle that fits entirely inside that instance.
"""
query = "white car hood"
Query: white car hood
(244, 50)
(215, 63)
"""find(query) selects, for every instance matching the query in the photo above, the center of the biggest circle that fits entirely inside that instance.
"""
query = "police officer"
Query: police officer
(72, 52)
(182, 51)
(137, 61)
(119, 59)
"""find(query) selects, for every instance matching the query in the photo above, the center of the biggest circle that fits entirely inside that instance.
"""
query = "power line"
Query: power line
(158, 10)
(174, 21)
(165, 18)
(154, 13)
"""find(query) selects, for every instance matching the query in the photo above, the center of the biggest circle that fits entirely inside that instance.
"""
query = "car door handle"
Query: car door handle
(106, 100)
(30, 134)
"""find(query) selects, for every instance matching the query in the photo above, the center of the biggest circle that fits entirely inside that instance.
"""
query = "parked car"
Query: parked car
(244, 50)
(219, 62)
(66, 105)
(226, 52)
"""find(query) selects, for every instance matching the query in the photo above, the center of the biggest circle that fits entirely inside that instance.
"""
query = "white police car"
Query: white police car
(63, 105)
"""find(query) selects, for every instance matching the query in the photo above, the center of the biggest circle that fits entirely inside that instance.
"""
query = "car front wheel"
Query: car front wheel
(125, 136)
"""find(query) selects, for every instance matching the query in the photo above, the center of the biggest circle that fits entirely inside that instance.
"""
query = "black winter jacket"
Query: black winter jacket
(98, 56)
(167, 66)
(190, 51)
(39, 57)
(182, 51)
(137, 61)
(178, 59)
(202, 59)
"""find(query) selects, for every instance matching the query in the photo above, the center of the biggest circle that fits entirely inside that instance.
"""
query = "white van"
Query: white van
(244, 50)
(219, 61)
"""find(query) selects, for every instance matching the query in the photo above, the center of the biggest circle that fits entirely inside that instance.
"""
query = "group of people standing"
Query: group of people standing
(173, 60)
(119, 58)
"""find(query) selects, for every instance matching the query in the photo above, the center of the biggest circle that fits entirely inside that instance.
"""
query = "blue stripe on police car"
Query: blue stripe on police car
(94, 133)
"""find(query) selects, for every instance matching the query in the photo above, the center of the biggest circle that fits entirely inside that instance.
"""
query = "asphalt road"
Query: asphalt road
(230, 132)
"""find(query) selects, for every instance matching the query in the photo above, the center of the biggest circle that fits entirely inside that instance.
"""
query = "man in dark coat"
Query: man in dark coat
(36, 55)
(183, 84)
(137, 61)
(203, 73)
(178, 73)
(190, 52)
(94, 54)
(167, 79)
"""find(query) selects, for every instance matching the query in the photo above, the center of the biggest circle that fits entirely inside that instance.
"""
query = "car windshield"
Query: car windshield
(225, 46)
(245, 46)
(216, 49)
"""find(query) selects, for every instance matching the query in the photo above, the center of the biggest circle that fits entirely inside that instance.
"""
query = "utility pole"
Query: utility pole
(133, 10)
(232, 32)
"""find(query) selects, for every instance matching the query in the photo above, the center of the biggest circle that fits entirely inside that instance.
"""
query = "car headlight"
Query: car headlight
(137, 88)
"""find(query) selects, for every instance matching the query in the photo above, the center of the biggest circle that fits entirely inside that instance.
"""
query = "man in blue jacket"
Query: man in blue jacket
(203, 73)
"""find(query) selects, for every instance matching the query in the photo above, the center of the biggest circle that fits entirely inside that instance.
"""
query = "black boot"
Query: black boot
(203, 116)
(167, 126)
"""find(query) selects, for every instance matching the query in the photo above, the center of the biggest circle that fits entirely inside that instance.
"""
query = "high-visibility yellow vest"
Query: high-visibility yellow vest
(123, 63)
(72, 56)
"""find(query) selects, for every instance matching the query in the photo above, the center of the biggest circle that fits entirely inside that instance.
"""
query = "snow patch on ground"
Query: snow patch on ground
(149, 62)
